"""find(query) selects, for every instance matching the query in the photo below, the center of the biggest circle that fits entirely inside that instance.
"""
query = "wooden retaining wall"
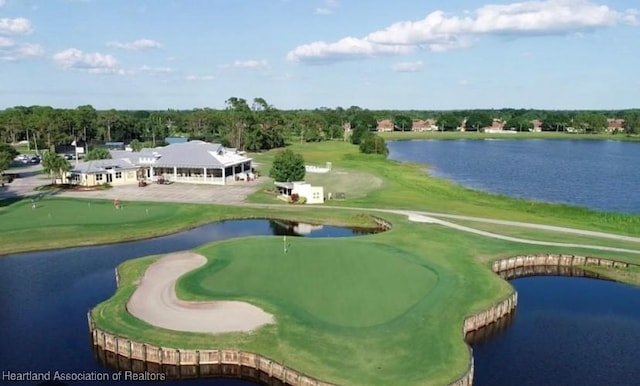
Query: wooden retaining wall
(147, 353)
(521, 263)
(203, 362)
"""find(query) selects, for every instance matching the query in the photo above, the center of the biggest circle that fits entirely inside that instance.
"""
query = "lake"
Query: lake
(45, 296)
(566, 331)
(601, 175)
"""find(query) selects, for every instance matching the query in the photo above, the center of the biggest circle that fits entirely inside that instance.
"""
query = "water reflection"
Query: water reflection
(488, 332)
(221, 372)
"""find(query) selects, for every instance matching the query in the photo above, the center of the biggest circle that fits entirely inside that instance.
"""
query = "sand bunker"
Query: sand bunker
(155, 301)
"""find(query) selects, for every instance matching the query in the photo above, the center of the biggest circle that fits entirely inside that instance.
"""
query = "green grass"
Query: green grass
(24, 149)
(65, 222)
(453, 135)
(373, 310)
(370, 283)
(542, 235)
(408, 186)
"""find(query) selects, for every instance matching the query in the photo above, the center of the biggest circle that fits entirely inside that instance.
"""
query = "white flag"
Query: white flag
(73, 143)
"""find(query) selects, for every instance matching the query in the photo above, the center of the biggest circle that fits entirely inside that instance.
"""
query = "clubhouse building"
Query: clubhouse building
(194, 162)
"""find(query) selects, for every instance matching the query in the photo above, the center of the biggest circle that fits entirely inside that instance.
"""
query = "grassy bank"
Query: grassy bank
(66, 222)
(407, 186)
(371, 310)
(453, 135)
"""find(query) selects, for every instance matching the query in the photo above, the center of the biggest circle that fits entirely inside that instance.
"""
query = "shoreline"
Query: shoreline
(513, 267)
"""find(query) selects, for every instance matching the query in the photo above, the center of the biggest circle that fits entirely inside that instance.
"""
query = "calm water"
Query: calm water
(44, 296)
(566, 331)
(601, 175)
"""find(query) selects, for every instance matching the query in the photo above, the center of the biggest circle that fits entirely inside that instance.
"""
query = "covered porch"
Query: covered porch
(201, 175)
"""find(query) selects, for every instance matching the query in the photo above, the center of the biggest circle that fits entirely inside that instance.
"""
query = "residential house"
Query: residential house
(497, 126)
(615, 124)
(385, 125)
(424, 125)
(195, 162)
(537, 125)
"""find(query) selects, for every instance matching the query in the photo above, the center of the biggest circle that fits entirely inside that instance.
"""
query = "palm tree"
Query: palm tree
(55, 165)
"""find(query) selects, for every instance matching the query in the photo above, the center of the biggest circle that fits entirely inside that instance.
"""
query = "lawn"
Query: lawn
(65, 222)
(407, 186)
(352, 283)
(371, 310)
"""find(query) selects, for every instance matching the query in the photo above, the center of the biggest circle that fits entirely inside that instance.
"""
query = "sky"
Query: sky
(305, 54)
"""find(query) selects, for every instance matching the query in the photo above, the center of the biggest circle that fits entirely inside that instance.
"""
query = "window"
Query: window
(118, 175)
(98, 177)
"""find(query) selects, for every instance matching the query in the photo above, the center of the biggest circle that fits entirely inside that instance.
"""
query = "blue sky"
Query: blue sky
(400, 54)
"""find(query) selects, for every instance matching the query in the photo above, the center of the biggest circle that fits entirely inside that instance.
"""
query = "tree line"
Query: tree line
(257, 125)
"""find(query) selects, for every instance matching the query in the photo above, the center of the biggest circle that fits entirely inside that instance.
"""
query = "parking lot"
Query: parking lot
(30, 178)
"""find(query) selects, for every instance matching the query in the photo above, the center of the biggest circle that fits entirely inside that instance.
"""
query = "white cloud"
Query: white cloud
(328, 7)
(153, 70)
(525, 18)
(440, 31)
(136, 45)
(407, 66)
(91, 62)
(248, 64)
(6, 42)
(199, 77)
(344, 49)
(11, 51)
(29, 49)
(19, 25)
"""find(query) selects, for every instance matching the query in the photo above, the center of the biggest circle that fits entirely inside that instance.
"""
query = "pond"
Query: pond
(600, 175)
(565, 331)
(44, 296)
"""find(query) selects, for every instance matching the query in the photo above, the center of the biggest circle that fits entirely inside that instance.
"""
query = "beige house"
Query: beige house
(105, 171)
(193, 162)
(311, 194)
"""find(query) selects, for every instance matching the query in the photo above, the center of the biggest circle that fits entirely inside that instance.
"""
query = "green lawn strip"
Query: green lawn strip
(408, 186)
(550, 236)
(630, 275)
(67, 222)
(452, 135)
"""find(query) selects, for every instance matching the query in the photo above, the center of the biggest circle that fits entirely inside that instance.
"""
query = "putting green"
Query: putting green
(350, 283)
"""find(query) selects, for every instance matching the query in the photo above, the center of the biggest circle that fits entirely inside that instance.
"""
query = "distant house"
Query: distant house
(424, 125)
(194, 162)
(385, 125)
(497, 126)
(312, 194)
(537, 125)
(614, 124)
